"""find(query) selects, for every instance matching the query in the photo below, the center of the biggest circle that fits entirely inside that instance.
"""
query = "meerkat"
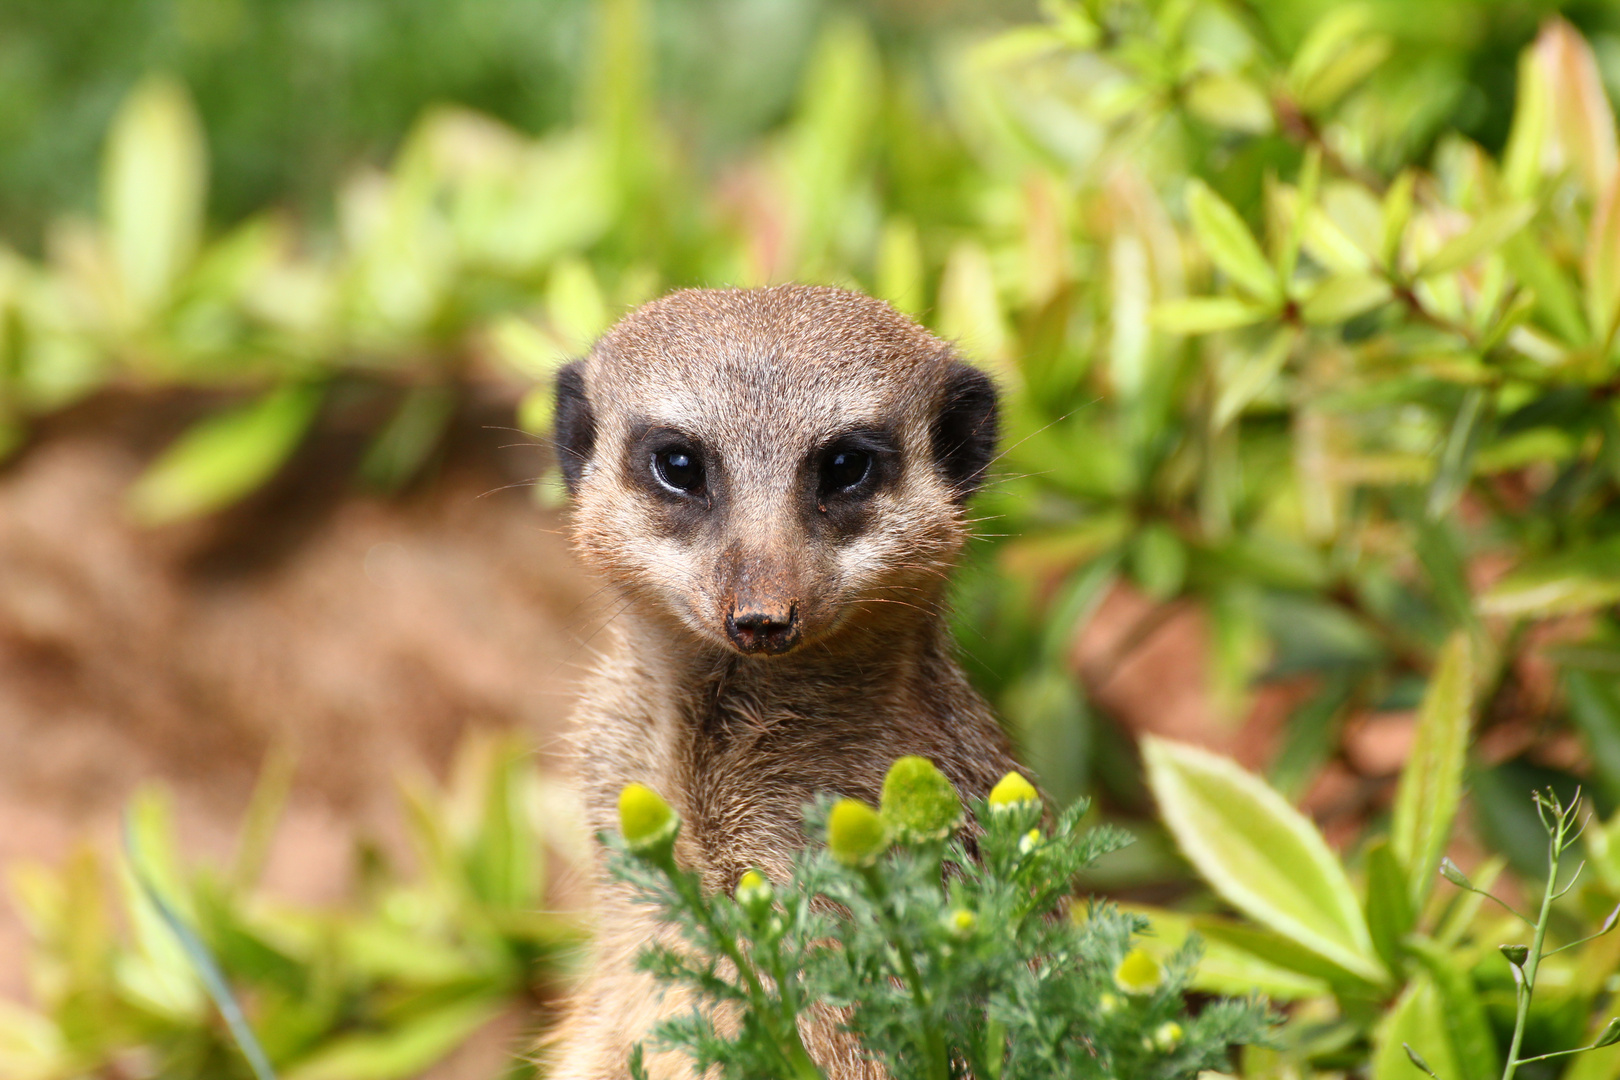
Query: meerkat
(771, 483)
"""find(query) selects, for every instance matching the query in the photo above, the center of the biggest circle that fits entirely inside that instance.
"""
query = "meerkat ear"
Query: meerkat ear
(573, 425)
(965, 430)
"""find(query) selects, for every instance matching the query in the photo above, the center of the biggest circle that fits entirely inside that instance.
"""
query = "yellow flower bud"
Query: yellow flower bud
(961, 923)
(919, 804)
(754, 894)
(648, 823)
(855, 833)
(1013, 791)
(1138, 973)
(1168, 1036)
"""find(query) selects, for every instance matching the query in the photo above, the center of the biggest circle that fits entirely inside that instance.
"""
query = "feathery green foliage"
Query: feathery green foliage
(945, 963)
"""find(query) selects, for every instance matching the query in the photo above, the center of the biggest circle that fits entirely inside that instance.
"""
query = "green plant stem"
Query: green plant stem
(1533, 961)
(789, 1046)
(938, 1053)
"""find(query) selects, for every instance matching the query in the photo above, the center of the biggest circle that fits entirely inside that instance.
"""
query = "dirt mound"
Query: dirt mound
(366, 633)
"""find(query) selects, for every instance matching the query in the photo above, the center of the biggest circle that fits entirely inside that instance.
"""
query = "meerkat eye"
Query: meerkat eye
(844, 469)
(679, 469)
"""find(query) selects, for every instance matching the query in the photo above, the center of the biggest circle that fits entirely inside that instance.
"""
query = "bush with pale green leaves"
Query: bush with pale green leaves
(1282, 342)
(147, 965)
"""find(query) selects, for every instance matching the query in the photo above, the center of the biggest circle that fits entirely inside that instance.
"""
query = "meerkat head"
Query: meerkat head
(765, 467)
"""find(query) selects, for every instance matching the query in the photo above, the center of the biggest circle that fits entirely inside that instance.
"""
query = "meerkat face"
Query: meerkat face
(767, 467)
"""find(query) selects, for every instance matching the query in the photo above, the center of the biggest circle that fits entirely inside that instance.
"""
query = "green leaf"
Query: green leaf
(1601, 266)
(1224, 968)
(1230, 101)
(900, 269)
(501, 854)
(1332, 34)
(1230, 244)
(1345, 72)
(414, 1044)
(1567, 583)
(1467, 1027)
(1206, 314)
(1594, 705)
(1304, 202)
(1344, 296)
(970, 307)
(575, 305)
(153, 187)
(1456, 466)
(1418, 1021)
(1278, 951)
(1260, 854)
(219, 460)
(1527, 138)
(1389, 903)
(1254, 373)
(1397, 212)
(409, 438)
(1053, 727)
(1337, 54)
(1431, 784)
(1158, 560)
(1493, 229)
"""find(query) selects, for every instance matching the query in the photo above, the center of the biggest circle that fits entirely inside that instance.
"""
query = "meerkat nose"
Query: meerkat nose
(764, 631)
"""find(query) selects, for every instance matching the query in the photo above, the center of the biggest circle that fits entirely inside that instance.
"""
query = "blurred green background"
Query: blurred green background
(1306, 315)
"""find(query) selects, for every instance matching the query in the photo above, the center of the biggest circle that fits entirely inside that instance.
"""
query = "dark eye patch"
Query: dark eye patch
(674, 468)
(847, 470)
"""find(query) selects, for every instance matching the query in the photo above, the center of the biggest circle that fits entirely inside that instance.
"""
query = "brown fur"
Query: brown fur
(739, 739)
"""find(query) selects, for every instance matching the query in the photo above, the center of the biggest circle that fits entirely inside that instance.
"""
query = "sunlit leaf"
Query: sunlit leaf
(1601, 266)
(1230, 244)
(1418, 1021)
(219, 460)
(1491, 231)
(1582, 121)
(1333, 34)
(970, 307)
(1230, 101)
(575, 304)
(1224, 968)
(153, 188)
(1344, 296)
(900, 267)
(1456, 466)
(1260, 854)
(1565, 583)
(1352, 64)
(1390, 914)
(1206, 314)
(1431, 783)
(417, 1041)
(1467, 1027)
(1253, 375)
(1532, 122)
(500, 854)
(1397, 212)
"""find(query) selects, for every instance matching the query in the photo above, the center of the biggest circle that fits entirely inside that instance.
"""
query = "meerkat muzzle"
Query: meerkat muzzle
(764, 631)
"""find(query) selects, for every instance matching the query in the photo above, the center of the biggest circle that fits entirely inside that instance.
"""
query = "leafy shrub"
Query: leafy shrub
(379, 990)
(1280, 343)
(944, 964)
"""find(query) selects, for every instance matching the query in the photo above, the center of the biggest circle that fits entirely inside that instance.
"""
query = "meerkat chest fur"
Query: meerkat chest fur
(771, 485)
